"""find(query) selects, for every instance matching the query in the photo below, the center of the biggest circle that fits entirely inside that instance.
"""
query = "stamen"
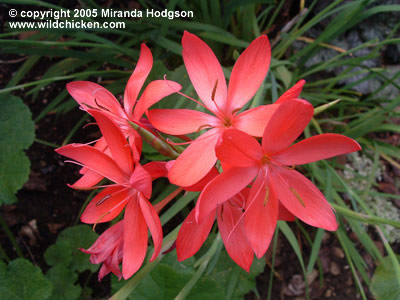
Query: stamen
(296, 194)
(89, 124)
(99, 219)
(266, 198)
(214, 90)
(186, 143)
(292, 167)
(204, 126)
(186, 96)
(235, 111)
(103, 199)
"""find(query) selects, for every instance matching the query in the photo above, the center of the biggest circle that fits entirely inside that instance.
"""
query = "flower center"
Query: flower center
(265, 159)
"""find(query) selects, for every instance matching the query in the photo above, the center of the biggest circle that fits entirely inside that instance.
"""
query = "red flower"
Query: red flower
(132, 189)
(225, 103)
(90, 95)
(107, 249)
(275, 178)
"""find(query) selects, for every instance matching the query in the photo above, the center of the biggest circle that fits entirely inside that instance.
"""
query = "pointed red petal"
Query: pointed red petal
(94, 160)
(315, 148)
(137, 78)
(116, 141)
(234, 236)
(192, 235)
(156, 169)
(181, 121)
(135, 239)
(88, 180)
(238, 149)
(286, 124)
(89, 94)
(106, 205)
(141, 180)
(292, 93)
(154, 92)
(261, 215)
(105, 243)
(253, 121)
(284, 214)
(204, 71)
(199, 186)
(302, 198)
(221, 188)
(153, 222)
(249, 72)
(196, 161)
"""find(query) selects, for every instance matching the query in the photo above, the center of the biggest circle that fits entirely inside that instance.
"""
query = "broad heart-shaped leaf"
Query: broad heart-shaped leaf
(384, 284)
(59, 253)
(66, 249)
(16, 134)
(20, 280)
(63, 280)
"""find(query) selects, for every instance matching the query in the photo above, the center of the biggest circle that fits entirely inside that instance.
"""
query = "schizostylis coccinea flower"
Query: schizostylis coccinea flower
(269, 168)
(131, 189)
(223, 102)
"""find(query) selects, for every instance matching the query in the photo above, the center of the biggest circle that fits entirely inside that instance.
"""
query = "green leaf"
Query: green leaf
(80, 236)
(59, 253)
(384, 284)
(16, 134)
(63, 280)
(21, 280)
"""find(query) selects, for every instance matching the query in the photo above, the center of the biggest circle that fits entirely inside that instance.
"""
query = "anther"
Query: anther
(103, 199)
(214, 90)
(100, 106)
(296, 194)
(266, 198)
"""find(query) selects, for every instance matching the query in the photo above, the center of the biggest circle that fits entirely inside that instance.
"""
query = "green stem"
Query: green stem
(11, 236)
(369, 219)
(157, 142)
(46, 143)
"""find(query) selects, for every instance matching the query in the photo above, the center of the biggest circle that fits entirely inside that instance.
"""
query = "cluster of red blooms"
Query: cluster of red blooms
(257, 187)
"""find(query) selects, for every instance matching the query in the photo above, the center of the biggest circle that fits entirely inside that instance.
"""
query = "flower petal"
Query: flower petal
(199, 186)
(156, 169)
(88, 180)
(153, 222)
(261, 215)
(116, 141)
(292, 93)
(192, 235)
(302, 198)
(196, 161)
(284, 214)
(91, 95)
(253, 121)
(94, 160)
(135, 239)
(221, 188)
(105, 243)
(238, 149)
(286, 124)
(316, 148)
(137, 78)
(204, 71)
(106, 205)
(141, 180)
(249, 72)
(181, 121)
(154, 92)
(234, 236)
